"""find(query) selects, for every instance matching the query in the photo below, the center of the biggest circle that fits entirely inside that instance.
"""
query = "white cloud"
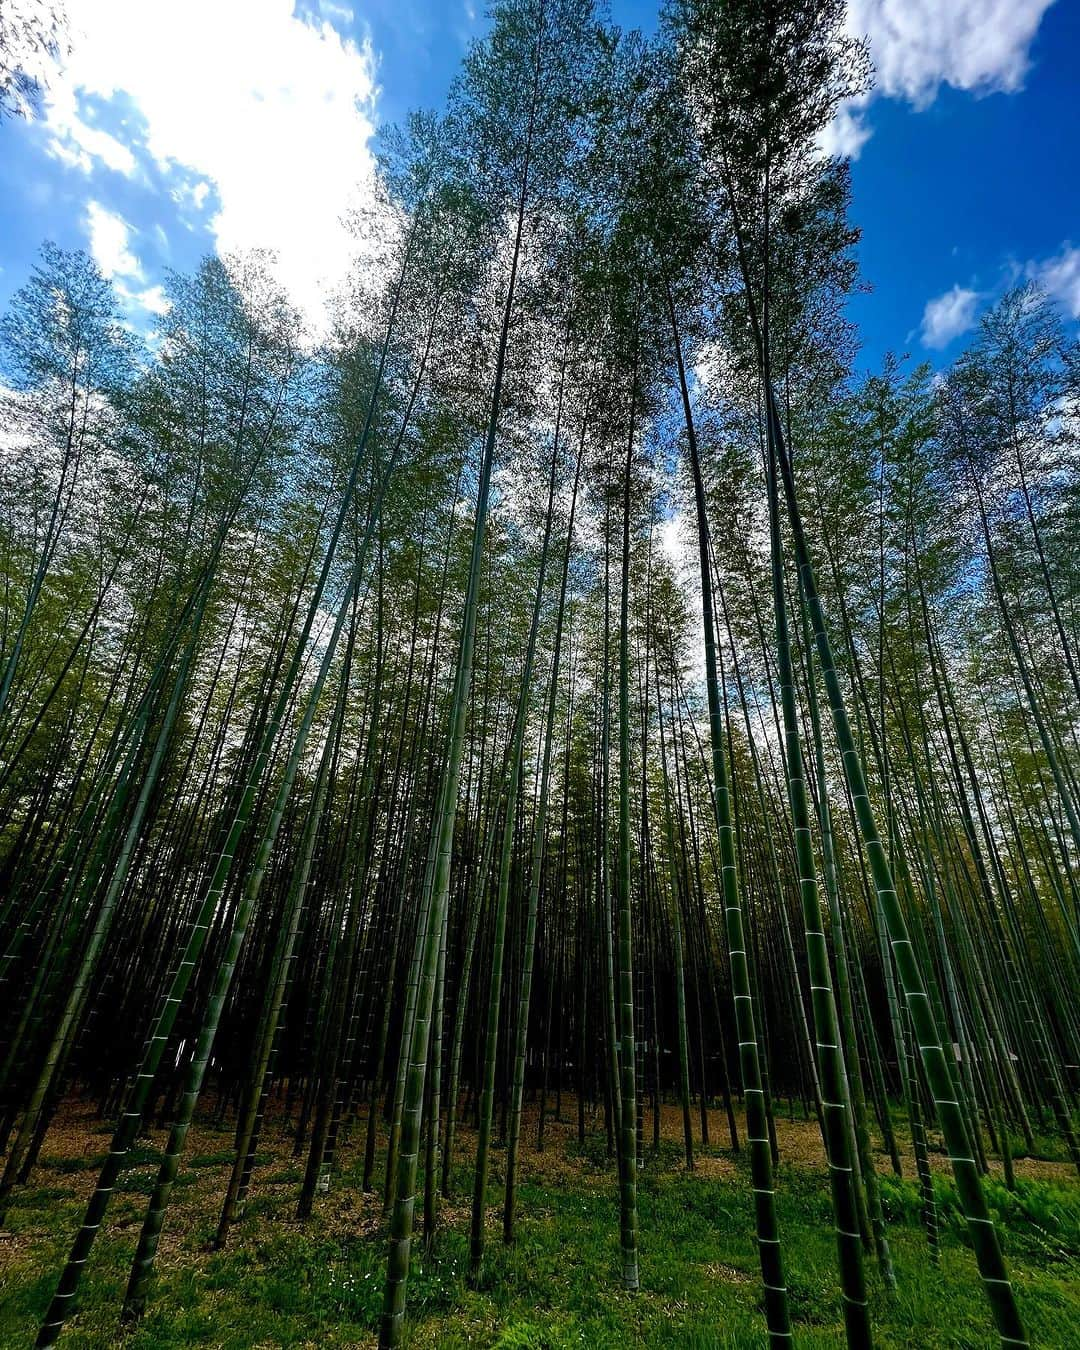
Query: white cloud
(191, 196)
(110, 235)
(847, 133)
(153, 299)
(270, 111)
(918, 45)
(110, 247)
(1060, 278)
(980, 46)
(79, 145)
(342, 14)
(949, 315)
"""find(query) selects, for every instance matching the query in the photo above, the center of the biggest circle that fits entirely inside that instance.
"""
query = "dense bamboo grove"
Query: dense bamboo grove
(567, 676)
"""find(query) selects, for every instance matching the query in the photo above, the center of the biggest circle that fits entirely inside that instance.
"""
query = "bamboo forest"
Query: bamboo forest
(548, 813)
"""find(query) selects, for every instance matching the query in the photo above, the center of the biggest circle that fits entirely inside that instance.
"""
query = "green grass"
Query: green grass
(280, 1283)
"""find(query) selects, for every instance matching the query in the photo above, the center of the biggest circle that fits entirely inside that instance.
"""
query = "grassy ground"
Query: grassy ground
(280, 1283)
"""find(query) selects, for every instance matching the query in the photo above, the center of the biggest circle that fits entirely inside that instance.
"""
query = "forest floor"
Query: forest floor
(319, 1284)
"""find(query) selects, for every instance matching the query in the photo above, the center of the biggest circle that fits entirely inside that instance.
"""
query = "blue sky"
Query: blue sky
(176, 129)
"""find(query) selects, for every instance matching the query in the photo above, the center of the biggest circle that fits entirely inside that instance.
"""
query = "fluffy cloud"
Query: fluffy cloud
(110, 237)
(847, 133)
(75, 143)
(110, 247)
(262, 117)
(918, 45)
(949, 315)
(1059, 277)
(981, 46)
